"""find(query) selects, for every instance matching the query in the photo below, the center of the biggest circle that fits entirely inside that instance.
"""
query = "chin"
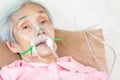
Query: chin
(45, 53)
(44, 50)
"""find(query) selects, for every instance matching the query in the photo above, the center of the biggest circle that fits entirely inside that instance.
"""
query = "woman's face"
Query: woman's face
(24, 23)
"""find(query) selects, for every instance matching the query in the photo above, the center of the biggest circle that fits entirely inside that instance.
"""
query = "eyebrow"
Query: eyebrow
(22, 18)
(42, 11)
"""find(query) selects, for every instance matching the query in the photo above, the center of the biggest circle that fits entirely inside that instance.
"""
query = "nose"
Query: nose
(41, 31)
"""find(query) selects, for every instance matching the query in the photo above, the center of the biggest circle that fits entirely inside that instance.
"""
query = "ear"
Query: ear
(12, 46)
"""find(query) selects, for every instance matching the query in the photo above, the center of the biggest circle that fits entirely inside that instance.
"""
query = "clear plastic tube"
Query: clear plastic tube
(50, 43)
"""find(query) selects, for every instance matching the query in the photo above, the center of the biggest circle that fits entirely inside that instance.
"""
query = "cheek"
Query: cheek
(50, 31)
(22, 42)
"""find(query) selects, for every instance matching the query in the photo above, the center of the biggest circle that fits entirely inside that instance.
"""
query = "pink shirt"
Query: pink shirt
(63, 69)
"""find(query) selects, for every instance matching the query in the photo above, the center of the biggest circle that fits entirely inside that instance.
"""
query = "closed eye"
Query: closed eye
(44, 21)
(25, 27)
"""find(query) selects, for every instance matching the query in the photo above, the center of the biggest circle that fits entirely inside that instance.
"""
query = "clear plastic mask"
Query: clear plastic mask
(32, 33)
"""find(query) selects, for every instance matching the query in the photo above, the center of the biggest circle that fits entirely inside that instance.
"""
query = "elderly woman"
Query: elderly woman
(27, 30)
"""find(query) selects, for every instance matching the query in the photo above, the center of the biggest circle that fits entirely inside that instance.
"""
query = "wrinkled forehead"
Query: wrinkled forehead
(27, 10)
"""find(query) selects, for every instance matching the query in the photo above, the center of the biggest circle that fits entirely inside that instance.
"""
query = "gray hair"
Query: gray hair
(6, 33)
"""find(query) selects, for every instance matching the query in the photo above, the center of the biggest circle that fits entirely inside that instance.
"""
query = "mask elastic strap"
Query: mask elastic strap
(31, 47)
(28, 50)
